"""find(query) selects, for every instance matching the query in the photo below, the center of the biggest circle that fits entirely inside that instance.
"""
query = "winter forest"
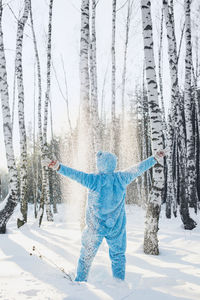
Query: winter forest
(77, 77)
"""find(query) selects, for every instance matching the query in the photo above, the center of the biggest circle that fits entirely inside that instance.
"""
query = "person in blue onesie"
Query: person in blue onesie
(105, 214)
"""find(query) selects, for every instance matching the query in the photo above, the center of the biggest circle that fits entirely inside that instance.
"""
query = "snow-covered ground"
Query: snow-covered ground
(174, 274)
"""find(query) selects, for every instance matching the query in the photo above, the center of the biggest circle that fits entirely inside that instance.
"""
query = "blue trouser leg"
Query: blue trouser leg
(90, 244)
(117, 248)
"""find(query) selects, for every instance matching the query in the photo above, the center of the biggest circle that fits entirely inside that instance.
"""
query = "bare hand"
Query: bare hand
(53, 164)
(160, 153)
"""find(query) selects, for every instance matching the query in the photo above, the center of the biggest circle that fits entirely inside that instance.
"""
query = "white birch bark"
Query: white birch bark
(177, 122)
(123, 142)
(84, 61)
(21, 117)
(128, 18)
(13, 196)
(170, 199)
(160, 73)
(53, 154)
(35, 183)
(113, 78)
(45, 179)
(172, 52)
(191, 164)
(113, 59)
(93, 79)
(39, 116)
(38, 79)
(93, 69)
(85, 148)
(154, 203)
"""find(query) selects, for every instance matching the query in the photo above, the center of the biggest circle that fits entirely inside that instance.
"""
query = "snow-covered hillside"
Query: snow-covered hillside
(174, 274)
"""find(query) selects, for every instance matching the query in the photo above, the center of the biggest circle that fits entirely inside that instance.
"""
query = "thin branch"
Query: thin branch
(97, 3)
(18, 20)
(60, 89)
(122, 6)
(180, 43)
(66, 91)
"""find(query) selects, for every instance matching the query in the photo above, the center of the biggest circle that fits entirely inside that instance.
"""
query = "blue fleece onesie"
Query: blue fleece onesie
(105, 215)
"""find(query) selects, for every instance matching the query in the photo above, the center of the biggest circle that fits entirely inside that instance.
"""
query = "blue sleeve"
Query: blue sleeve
(87, 180)
(132, 173)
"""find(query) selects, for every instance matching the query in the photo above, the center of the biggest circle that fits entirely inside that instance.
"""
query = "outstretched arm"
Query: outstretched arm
(87, 180)
(132, 173)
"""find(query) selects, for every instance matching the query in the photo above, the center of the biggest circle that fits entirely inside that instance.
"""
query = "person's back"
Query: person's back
(106, 198)
(105, 216)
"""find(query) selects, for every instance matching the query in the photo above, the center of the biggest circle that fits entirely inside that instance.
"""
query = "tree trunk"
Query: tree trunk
(177, 114)
(93, 79)
(85, 149)
(45, 184)
(123, 142)
(154, 203)
(21, 117)
(45, 198)
(41, 195)
(191, 164)
(128, 18)
(113, 83)
(170, 180)
(12, 198)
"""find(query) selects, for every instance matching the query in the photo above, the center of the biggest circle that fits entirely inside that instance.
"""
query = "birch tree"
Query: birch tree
(128, 18)
(39, 80)
(113, 80)
(93, 80)
(45, 179)
(189, 105)
(177, 122)
(160, 52)
(39, 89)
(123, 129)
(154, 201)
(85, 151)
(13, 196)
(172, 50)
(21, 117)
(84, 59)
(45, 196)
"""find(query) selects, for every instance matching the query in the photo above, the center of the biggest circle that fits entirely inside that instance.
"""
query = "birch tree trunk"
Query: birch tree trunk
(84, 61)
(123, 129)
(39, 119)
(172, 52)
(170, 199)
(93, 79)
(164, 123)
(12, 198)
(160, 73)
(191, 165)
(154, 202)
(113, 83)
(21, 117)
(53, 154)
(38, 78)
(45, 179)
(85, 151)
(177, 123)
(34, 161)
(128, 18)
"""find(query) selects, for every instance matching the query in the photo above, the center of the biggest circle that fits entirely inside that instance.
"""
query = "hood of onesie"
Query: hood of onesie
(106, 162)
